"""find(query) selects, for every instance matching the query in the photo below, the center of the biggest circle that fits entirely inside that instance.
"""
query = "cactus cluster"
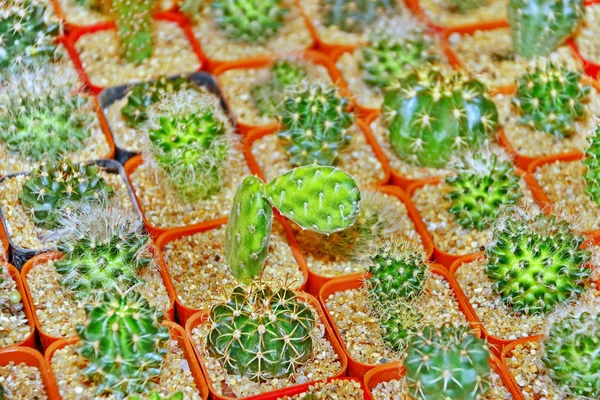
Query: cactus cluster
(535, 262)
(316, 122)
(447, 363)
(268, 96)
(253, 21)
(432, 114)
(354, 16)
(538, 27)
(260, 333)
(592, 164)
(124, 344)
(55, 185)
(551, 99)
(465, 6)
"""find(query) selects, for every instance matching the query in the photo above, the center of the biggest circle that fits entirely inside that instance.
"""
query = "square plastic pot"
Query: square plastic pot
(32, 358)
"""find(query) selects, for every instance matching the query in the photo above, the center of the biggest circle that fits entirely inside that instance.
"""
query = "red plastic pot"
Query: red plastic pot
(32, 358)
(29, 341)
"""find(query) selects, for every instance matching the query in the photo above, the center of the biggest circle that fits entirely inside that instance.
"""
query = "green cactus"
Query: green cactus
(538, 27)
(55, 185)
(551, 99)
(316, 124)
(447, 363)
(465, 6)
(592, 164)
(254, 21)
(354, 16)
(134, 24)
(536, 262)
(398, 321)
(157, 396)
(124, 344)
(571, 355)
(193, 149)
(481, 189)
(27, 34)
(268, 96)
(248, 230)
(432, 114)
(261, 334)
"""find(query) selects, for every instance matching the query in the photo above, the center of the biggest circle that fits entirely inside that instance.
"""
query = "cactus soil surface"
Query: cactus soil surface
(14, 326)
(22, 381)
(441, 14)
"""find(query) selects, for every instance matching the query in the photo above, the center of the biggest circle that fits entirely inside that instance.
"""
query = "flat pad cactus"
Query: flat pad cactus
(354, 15)
(254, 21)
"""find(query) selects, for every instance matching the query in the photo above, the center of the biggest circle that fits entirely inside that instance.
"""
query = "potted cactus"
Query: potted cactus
(91, 12)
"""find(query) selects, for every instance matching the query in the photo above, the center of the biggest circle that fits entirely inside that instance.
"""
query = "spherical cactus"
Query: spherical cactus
(538, 27)
(431, 114)
(447, 363)
(261, 334)
(254, 21)
(316, 124)
(465, 6)
(124, 344)
(572, 354)
(481, 189)
(268, 96)
(354, 15)
(398, 322)
(592, 164)
(28, 34)
(55, 185)
(536, 263)
(134, 24)
(551, 99)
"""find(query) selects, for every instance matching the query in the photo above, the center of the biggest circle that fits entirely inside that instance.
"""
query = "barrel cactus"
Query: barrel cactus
(592, 164)
(536, 263)
(268, 96)
(538, 27)
(55, 185)
(447, 363)
(354, 16)
(261, 334)
(254, 21)
(465, 6)
(431, 114)
(316, 124)
(552, 98)
(124, 344)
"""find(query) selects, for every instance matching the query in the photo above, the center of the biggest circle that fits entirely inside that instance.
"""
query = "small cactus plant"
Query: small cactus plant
(260, 333)
(592, 164)
(430, 115)
(538, 27)
(316, 124)
(134, 23)
(268, 96)
(124, 344)
(354, 16)
(552, 98)
(56, 185)
(157, 396)
(254, 21)
(465, 6)
(447, 363)
(535, 262)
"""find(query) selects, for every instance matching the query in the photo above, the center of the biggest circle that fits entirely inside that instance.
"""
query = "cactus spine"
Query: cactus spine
(354, 15)
(268, 96)
(592, 164)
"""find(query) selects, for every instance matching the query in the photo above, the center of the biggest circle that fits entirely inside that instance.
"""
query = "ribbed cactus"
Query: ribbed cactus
(447, 363)
(268, 96)
(354, 15)
(55, 185)
(316, 124)
(28, 36)
(592, 164)
(538, 27)
(124, 344)
(260, 333)
(464, 6)
(254, 21)
(431, 114)
(551, 99)
(482, 187)
(398, 321)
(536, 263)
(572, 354)
(134, 24)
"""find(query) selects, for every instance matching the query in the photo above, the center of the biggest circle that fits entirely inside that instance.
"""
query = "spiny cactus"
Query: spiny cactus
(41, 117)
(254, 21)
(58, 184)
(124, 344)
(395, 46)
(268, 96)
(399, 321)
(431, 114)
(316, 124)
(592, 163)
(354, 15)
(535, 262)
(572, 354)
(551, 99)
(27, 34)
(157, 396)
(481, 189)
(465, 6)
(260, 333)
(134, 24)
(447, 363)
(538, 27)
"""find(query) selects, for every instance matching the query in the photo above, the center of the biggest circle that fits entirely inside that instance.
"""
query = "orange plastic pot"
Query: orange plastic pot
(201, 318)
(29, 341)
(184, 312)
(177, 333)
(356, 281)
(47, 339)
(32, 358)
